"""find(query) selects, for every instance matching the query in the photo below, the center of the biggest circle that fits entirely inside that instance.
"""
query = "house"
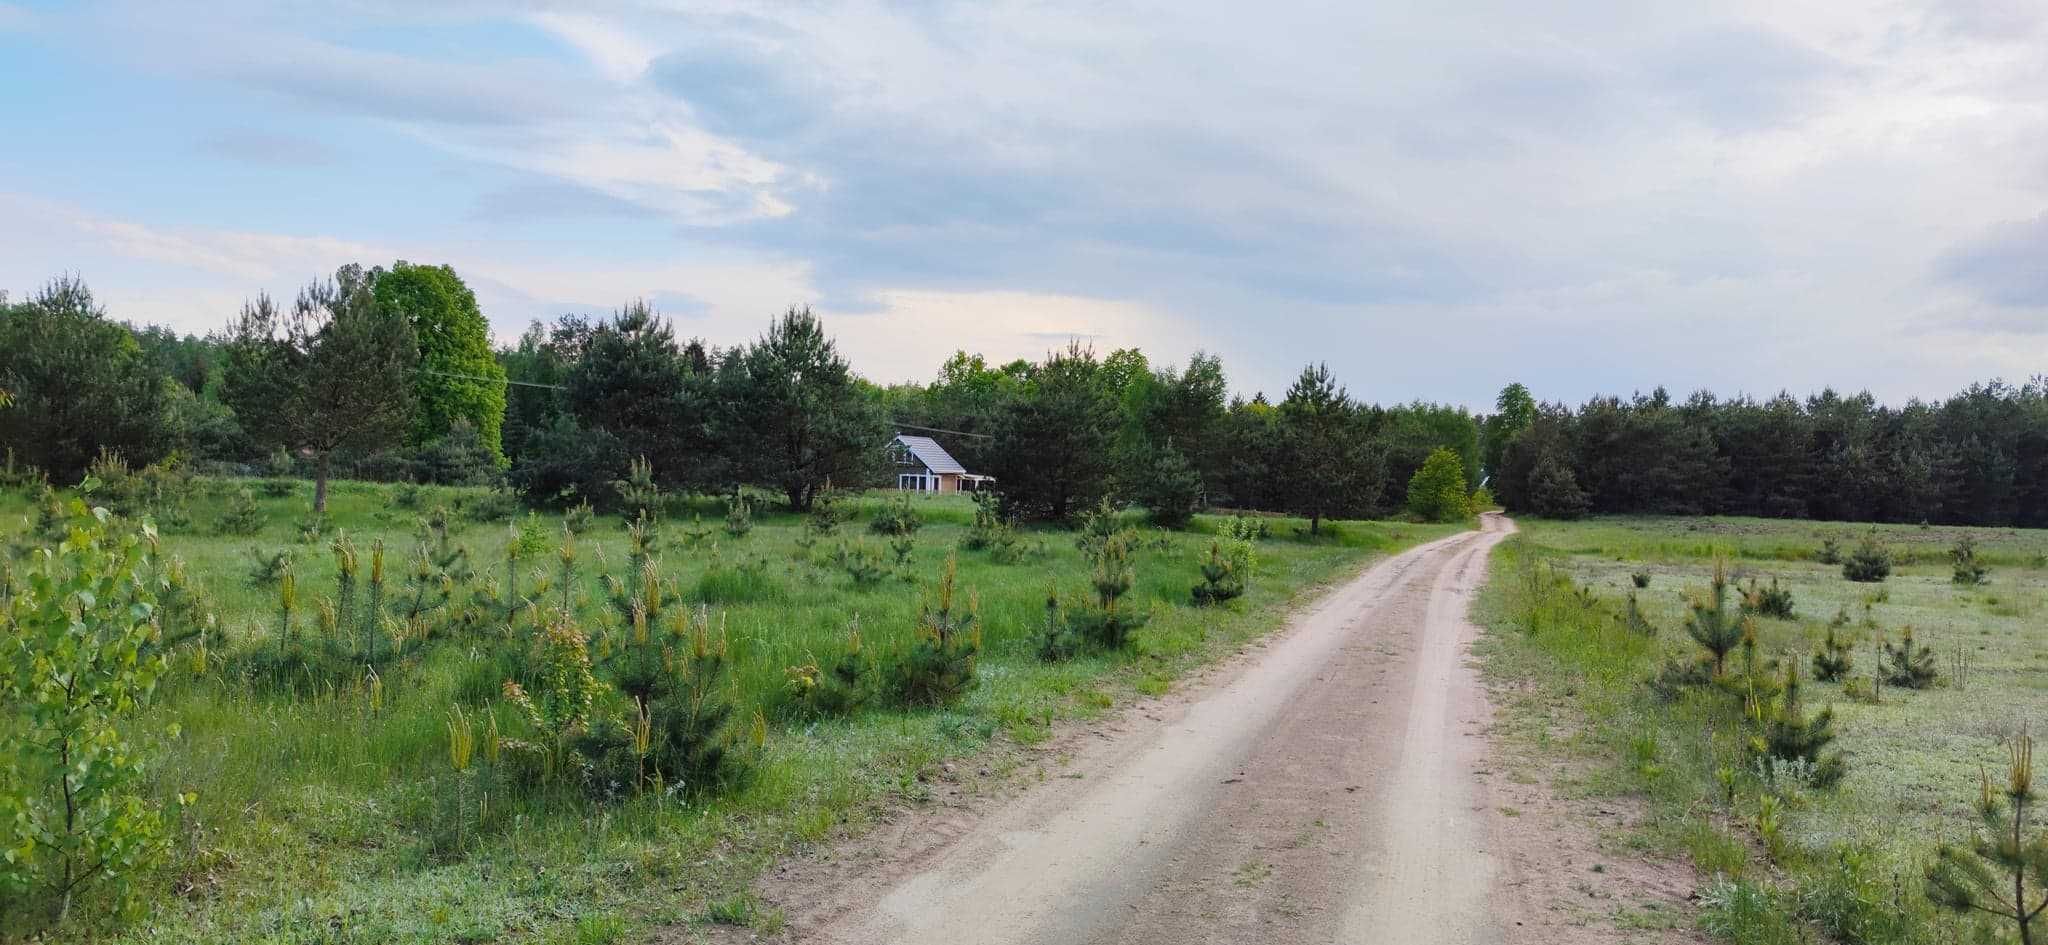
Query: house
(922, 465)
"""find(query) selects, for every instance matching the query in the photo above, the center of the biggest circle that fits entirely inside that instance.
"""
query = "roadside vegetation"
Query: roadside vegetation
(421, 719)
(1837, 754)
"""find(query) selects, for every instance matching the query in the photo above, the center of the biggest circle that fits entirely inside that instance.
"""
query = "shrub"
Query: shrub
(1105, 622)
(1097, 526)
(242, 516)
(739, 516)
(639, 495)
(1221, 581)
(1990, 875)
(1968, 571)
(827, 512)
(579, 518)
(861, 562)
(902, 546)
(896, 518)
(680, 733)
(840, 689)
(1870, 564)
(1056, 641)
(1634, 620)
(1834, 660)
(1905, 664)
(938, 667)
(1711, 625)
(1641, 579)
(1169, 489)
(1772, 601)
(1436, 493)
(1554, 492)
(1830, 552)
(495, 505)
(1789, 735)
(266, 569)
(81, 653)
(989, 527)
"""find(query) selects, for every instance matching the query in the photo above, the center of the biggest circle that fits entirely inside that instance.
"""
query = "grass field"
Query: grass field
(323, 816)
(1847, 861)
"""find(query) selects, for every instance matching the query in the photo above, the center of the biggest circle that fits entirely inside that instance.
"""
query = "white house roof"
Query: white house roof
(931, 454)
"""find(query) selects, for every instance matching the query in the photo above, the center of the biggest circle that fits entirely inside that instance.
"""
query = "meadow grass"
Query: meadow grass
(1846, 861)
(329, 815)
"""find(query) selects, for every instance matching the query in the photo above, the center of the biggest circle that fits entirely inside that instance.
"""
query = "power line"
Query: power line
(913, 426)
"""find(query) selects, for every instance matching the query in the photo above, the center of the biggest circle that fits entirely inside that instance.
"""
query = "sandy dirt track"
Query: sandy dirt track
(1321, 790)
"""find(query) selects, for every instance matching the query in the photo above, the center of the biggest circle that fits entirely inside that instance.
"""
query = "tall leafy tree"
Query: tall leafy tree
(1055, 448)
(79, 382)
(331, 375)
(1330, 466)
(802, 421)
(457, 378)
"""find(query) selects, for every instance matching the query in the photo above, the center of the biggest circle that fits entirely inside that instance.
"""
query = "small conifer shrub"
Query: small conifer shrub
(1772, 601)
(1790, 735)
(1636, 622)
(1055, 639)
(1991, 875)
(1834, 660)
(902, 546)
(1870, 563)
(1712, 625)
(840, 688)
(1106, 622)
(242, 516)
(1968, 571)
(1641, 579)
(1221, 582)
(639, 495)
(1830, 552)
(739, 516)
(938, 667)
(897, 517)
(266, 569)
(1907, 664)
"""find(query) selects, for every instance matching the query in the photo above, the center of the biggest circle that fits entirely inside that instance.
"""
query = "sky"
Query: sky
(1434, 198)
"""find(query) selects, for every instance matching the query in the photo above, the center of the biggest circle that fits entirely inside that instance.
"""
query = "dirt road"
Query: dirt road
(1322, 790)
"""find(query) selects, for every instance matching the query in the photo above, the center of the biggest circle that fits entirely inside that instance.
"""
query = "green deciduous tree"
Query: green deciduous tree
(80, 653)
(334, 373)
(1437, 491)
(458, 379)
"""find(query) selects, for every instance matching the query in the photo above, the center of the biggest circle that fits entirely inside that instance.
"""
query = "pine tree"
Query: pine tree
(1833, 661)
(938, 668)
(1905, 665)
(1220, 581)
(1712, 626)
(1790, 736)
(1990, 876)
(1106, 622)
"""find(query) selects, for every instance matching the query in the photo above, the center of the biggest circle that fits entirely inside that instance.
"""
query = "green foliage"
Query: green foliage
(1055, 446)
(1105, 622)
(1772, 601)
(1790, 735)
(459, 380)
(562, 703)
(1055, 641)
(1222, 581)
(80, 638)
(1169, 488)
(1641, 579)
(1330, 466)
(903, 546)
(1830, 552)
(242, 516)
(809, 424)
(1554, 490)
(861, 562)
(336, 373)
(938, 667)
(1906, 664)
(828, 510)
(1990, 876)
(1436, 493)
(839, 689)
(898, 517)
(579, 518)
(78, 382)
(1967, 570)
(1871, 563)
(1712, 625)
(1636, 622)
(1834, 660)
(639, 496)
(739, 516)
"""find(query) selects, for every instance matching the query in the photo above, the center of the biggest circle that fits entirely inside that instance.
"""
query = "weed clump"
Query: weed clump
(897, 518)
(839, 689)
(1772, 601)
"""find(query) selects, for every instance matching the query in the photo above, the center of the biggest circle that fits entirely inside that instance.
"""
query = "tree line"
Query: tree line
(390, 374)
(1979, 457)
